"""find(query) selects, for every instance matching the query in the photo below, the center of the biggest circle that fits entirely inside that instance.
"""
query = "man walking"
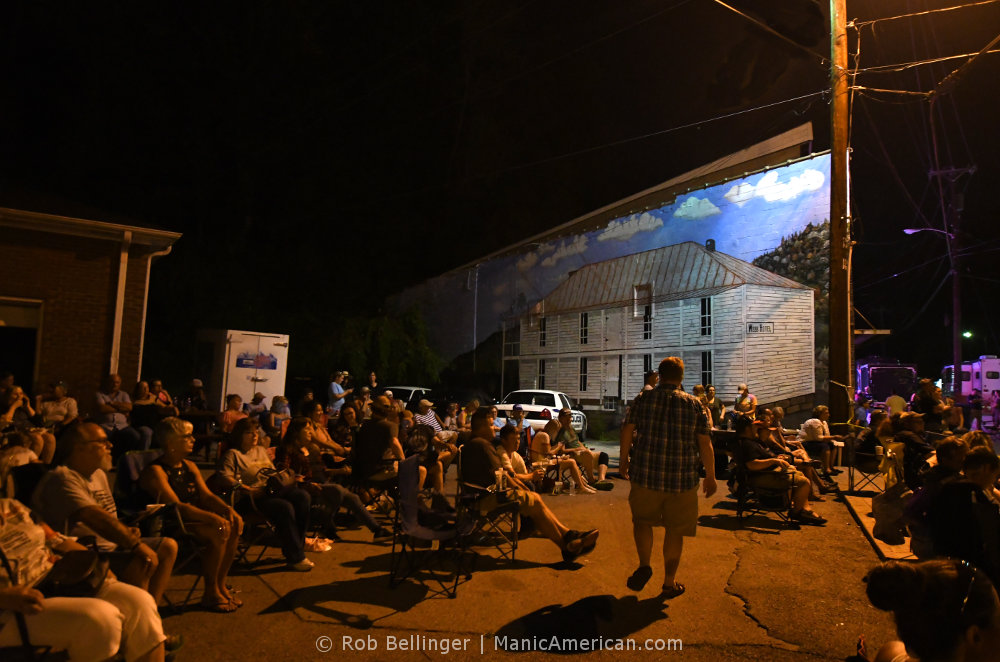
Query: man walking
(664, 440)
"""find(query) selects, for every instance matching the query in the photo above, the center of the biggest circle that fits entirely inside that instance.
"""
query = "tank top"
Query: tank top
(181, 480)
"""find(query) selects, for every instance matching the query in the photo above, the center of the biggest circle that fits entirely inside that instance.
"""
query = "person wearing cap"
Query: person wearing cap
(772, 471)
(256, 406)
(745, 403)
(862, 410)
(443, 439)
(481, 470)
(337, 393)
(524, 430)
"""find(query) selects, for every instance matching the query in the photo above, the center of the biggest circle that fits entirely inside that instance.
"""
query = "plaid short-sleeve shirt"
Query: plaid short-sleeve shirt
(665, 454)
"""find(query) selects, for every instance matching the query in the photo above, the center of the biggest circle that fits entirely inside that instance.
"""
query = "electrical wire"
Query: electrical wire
(922, 13)
(903, 66)
(594, 148)
(823, 59)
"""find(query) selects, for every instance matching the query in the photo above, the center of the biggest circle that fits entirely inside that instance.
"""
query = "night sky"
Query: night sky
(320, 155)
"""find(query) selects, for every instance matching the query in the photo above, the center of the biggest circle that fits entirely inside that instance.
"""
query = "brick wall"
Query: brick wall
(76, 278)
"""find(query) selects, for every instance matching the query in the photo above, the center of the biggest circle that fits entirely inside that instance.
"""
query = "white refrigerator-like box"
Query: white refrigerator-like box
(242, 362)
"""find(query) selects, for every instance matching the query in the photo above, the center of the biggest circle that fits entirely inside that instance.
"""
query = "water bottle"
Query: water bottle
(572, 488)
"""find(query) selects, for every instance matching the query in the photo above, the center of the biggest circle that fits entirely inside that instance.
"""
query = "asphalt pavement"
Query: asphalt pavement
(755, 591)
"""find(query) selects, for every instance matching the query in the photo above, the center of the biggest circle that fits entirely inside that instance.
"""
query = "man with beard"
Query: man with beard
(75, 498)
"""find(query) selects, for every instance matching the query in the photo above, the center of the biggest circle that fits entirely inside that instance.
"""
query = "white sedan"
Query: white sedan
(540, 407)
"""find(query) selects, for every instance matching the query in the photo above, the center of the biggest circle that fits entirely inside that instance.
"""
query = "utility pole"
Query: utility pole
(951, 208)
(841, 308)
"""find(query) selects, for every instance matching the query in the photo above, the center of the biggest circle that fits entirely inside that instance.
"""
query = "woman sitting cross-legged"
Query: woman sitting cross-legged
(173, 479)
(287, 509)
(298, 453)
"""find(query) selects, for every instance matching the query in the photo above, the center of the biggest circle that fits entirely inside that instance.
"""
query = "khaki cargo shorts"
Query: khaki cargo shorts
(677, 512)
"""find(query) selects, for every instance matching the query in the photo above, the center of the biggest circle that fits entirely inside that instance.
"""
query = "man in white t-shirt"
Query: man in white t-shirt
(895, 403)
(75, 498)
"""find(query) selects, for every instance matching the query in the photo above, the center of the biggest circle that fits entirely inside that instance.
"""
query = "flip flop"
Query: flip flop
(587, 539)
(673, 591)
(638, 579)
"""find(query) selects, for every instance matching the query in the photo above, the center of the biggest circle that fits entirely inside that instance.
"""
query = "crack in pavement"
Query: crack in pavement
(730, 590)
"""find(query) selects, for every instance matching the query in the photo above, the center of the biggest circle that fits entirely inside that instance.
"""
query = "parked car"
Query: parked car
(410, 395)
(540, 407)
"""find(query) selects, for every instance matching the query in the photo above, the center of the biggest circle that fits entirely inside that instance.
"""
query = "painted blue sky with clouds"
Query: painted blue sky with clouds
(746, 217)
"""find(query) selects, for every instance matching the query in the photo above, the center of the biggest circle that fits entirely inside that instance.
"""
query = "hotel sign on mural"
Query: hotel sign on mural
(760, 327)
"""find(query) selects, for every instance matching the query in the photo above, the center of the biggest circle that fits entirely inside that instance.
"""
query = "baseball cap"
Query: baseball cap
(517, 408)
(196, 383)
(426, 403)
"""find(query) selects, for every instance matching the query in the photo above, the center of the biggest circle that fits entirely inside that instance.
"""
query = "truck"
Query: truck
(878, 377)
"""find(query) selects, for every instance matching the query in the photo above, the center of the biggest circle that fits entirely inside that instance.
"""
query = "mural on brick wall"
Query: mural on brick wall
(776, 219)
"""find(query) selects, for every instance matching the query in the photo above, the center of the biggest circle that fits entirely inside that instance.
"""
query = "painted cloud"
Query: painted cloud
(740, 194)
(772, 190)
(694, 208)
(527, 262)
(625, 229)
(575, 247)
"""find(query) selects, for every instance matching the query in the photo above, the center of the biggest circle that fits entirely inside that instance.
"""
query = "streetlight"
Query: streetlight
(916, 230)
(956, 304)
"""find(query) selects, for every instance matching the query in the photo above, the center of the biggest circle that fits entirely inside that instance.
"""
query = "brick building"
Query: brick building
(73, 299)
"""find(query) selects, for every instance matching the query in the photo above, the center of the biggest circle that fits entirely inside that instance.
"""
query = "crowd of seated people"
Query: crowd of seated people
(770, 470)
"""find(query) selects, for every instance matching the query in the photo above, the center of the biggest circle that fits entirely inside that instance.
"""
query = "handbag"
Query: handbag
(277, 481)
(78, 574)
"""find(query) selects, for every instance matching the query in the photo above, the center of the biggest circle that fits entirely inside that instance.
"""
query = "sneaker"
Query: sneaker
(305, 565)
(382, 534)
(836, 472)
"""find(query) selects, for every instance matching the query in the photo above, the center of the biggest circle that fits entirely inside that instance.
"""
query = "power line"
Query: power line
(606, 145)
(823, 60)
(903, 66)
(921, 13)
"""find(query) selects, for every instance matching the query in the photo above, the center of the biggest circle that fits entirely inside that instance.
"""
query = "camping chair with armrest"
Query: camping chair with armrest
(257, 529)
(446, 533)
(862, 468)
(754, 499)
(133, 508)
(497, 526)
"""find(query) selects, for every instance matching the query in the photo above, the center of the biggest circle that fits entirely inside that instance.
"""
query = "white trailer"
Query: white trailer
(242, 362)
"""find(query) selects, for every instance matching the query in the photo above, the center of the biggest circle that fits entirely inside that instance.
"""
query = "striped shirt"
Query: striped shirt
(666, 455)
(430, 418)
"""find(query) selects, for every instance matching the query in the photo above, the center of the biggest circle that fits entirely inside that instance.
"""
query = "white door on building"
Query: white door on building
(256, 362)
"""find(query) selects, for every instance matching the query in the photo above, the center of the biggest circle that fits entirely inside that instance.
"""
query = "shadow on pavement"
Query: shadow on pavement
(756, 523)
(373, 590)
(593, 617)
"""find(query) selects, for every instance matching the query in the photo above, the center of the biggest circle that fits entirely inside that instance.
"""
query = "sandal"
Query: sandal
(673, 591)
(587, 541)
(638, 579)
(220, 607)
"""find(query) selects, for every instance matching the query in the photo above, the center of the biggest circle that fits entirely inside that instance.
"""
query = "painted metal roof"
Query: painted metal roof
(681, 271)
